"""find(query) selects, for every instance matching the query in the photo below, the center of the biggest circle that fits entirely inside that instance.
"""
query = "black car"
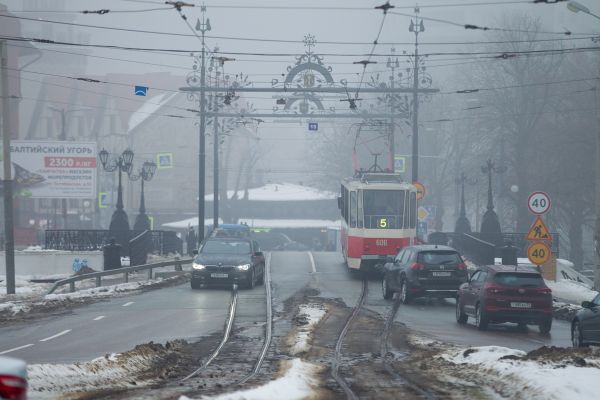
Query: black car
(585, 328)
(424, 270)
(226, 260)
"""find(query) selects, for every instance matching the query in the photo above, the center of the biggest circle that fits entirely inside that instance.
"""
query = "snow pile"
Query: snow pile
(111, 371)
(570, 291)
(297, 382)
(308, 316)
(546, 373)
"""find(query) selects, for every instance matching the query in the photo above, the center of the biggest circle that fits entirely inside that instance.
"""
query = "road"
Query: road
(178, 312)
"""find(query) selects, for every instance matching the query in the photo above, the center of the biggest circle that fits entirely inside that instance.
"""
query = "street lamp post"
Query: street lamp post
(490, 225)
(142, 222)
(203, 27)
(576, 7)
(119, 223)
(417, 27)
(63, 136)
(392, 64)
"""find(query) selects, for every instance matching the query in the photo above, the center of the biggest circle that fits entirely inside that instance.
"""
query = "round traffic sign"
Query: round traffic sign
(538, 253)
(538, 203)
(420, 190)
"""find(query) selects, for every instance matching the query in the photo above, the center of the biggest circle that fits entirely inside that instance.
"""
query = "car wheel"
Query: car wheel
(461, 317)
(545, 325)
(385, 288)
(251, 280)
(404, 295)
(195, 284)
(577, 335)
(261, 280)
(481, 320)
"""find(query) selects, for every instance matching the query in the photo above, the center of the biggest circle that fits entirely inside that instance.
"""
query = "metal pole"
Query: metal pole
(415, 122)
(597, 227)
(63, 137)
(202, 151)
(216, 157)
(393, 132)
(9, 243)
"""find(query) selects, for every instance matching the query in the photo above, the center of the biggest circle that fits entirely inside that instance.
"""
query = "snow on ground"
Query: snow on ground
(571, 291)
(309, 315)
(15, 305)
(297, 382)
(533, 379)
(24, 288)
(112, 371)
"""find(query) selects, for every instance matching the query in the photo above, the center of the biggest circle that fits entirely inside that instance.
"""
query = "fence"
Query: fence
(163, 242)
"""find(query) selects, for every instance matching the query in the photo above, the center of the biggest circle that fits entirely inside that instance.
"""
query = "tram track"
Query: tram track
(229, 323)
(335, 363)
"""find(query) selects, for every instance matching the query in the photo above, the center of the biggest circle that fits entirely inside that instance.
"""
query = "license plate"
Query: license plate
(441, 273)
(215, 275)
(520, 305)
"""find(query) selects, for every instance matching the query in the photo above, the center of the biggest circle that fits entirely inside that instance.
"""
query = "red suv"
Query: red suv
(505, 293)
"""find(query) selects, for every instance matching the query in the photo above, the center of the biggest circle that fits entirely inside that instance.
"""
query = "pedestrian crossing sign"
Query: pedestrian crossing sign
(538, 231)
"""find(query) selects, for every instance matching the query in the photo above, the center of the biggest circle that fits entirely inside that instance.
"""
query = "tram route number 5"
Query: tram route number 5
(538, 253)
(538, 203)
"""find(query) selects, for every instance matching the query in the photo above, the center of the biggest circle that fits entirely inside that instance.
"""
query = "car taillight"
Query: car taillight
(545, 290)
(462, 266)
(491, 288)
(417, 266)
(13, 387)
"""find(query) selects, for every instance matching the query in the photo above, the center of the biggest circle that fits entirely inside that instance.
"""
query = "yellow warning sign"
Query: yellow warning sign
(538, 231)
(538, 253)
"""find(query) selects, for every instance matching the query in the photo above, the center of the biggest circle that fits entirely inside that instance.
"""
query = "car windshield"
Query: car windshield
(518, 279)
(225, 247)
(439, 257)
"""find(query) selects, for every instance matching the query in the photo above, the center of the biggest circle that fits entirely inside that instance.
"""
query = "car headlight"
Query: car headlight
(198, 266)
(244, 267)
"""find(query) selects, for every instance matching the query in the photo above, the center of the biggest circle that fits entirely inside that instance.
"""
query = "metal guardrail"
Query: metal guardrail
(177, 263)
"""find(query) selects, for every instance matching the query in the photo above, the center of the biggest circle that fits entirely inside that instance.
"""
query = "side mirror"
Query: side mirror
(195, 252)
(389, 259)
(258, 254)
(587, 304)
(463, 286)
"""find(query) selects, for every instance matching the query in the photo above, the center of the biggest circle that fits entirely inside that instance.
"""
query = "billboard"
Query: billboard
(53, 169)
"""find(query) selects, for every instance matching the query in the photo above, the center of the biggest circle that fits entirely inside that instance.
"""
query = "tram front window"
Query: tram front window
(384, 209)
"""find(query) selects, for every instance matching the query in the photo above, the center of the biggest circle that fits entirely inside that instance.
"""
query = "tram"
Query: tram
(379, 217)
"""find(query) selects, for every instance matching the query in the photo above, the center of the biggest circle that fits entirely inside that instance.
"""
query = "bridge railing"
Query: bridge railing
(177, 263)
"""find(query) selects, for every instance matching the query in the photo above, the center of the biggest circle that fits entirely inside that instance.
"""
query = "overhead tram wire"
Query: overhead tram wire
(573, 36)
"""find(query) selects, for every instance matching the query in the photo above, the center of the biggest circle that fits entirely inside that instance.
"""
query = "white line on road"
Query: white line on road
(55, 336)
(312, 262)
(128, 303)
(99, 318)
(16, 348)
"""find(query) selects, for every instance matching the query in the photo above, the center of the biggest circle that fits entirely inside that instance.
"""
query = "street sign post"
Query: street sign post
(538, 231)
(420, 190)
(538, 253)
(538, 203)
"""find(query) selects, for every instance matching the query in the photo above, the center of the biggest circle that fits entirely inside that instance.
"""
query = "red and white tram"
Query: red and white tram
(379, 217)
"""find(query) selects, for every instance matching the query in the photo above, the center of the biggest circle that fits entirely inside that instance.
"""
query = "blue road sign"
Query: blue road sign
(313, 126)
(141, 90)
(422, 228)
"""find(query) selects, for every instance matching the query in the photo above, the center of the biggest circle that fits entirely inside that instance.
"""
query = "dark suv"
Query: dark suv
(227, 261)
(506, 293)
(426, 270)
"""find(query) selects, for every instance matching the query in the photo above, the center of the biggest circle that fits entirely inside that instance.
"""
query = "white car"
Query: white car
(13, 379)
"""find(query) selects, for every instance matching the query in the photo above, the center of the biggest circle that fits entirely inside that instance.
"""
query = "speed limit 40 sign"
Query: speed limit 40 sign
(538, 253)
(538, 203)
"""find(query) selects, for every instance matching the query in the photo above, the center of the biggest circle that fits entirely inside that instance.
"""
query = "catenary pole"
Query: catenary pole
(9, 243)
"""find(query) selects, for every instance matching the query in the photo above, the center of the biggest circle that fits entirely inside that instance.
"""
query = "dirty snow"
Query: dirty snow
(311, 314)
(531, 379)
(297, 382)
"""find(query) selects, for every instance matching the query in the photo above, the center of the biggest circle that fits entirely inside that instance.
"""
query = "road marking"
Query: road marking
(312, 262)
(128, 303)
(16, 348)
(99, 318)
(55, 336)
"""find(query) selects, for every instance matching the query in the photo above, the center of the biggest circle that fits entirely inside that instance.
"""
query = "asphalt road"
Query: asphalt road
(178, 312)
(434, 318)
